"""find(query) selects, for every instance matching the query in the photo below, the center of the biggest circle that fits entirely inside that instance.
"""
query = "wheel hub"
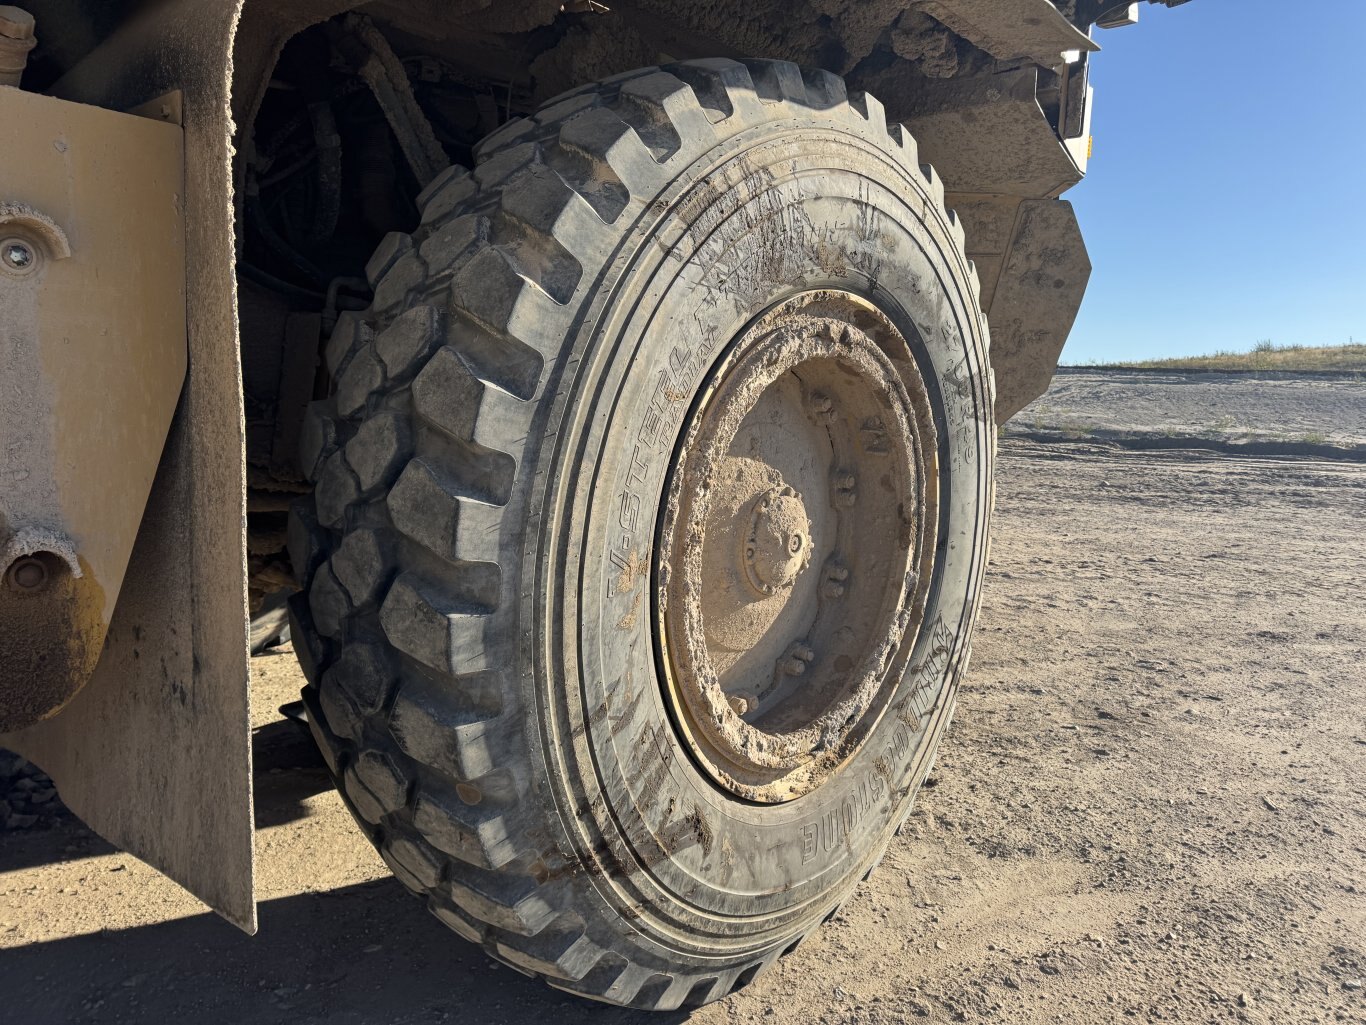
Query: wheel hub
(778, 544)
(795, 544)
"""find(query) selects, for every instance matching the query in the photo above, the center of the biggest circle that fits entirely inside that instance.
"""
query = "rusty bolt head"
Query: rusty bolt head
(798, 658)
(27, 575)
(15, 22)
(17, 255)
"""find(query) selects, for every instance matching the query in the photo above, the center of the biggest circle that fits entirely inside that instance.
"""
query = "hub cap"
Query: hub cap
(796, 545)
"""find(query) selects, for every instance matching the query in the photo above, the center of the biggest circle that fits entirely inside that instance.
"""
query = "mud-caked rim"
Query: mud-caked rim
(796, 545)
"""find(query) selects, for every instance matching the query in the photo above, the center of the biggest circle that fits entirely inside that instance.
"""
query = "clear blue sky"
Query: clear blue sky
(1225, 201)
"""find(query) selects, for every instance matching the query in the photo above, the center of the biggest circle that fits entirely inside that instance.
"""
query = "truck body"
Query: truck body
(194, 194)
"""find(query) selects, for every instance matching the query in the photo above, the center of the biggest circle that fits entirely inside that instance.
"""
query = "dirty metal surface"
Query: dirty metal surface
(1032, 264)
(1030, 29)
(154, 753)
(989, 227)
(988, 134)
(92, 357)
(1035, 299)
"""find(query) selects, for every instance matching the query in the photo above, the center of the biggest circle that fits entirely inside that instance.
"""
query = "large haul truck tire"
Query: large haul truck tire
(649, 526)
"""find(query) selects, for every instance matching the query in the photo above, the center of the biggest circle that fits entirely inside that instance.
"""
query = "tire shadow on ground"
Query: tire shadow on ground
(359, 955)
(287, 771)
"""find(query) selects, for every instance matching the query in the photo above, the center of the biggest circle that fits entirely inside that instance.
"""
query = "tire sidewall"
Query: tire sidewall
(779, 209)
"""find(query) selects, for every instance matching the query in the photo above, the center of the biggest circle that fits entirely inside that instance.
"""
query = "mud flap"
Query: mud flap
(154, 753)
(1037, 297)
(1033, 267)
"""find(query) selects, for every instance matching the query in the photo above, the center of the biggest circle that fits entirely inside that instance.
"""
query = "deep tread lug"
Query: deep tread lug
(405, 276)
(361, 378)
(349, 335)
(446, 395)
(394, 245)
(449, 243)
(308, 645)
(328, 744)
(464, 744)
(329, 602)
(722, 85)
(554, 216)
(446, 192)
(506, 135)
(317, 436)
(935, 183)
(824, 90)
(305, 539)
(382, 777)
(379, 450)
(506, 162)
(490, 289)
(562, 108)
(455, 920)
(336, 490)
(416, 865)
(777, 81)
(425, 508)
(605, 140)
(476, 834)
(563, 952)
(451, 175)
(413, 334)
(424, 623)
(504, 900)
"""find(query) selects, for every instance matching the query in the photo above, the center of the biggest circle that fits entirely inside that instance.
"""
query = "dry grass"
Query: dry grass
(1264, 356)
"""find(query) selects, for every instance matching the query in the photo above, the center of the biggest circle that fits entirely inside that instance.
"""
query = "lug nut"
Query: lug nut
(18, 256)
(798, 658)
(835, 578)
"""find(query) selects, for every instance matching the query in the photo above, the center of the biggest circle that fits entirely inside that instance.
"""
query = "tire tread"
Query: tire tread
(405, 633)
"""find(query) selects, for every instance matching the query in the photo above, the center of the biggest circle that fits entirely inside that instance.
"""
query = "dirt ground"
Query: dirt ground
(1151, 804)
(1320, 415)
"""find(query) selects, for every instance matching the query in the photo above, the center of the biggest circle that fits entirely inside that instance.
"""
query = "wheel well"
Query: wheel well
(345, 110)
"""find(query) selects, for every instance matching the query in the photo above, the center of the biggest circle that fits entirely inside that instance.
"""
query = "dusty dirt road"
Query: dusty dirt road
(1151, 806)
(1318, 414)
